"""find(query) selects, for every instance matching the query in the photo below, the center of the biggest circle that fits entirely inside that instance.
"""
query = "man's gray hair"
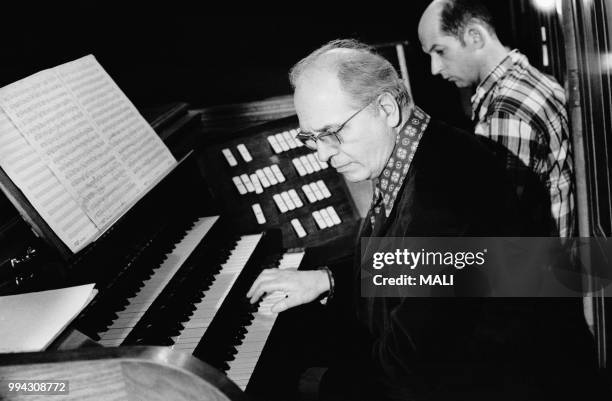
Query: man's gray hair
(363, 74)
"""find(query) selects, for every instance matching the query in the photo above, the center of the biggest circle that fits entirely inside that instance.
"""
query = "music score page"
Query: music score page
(77, 148)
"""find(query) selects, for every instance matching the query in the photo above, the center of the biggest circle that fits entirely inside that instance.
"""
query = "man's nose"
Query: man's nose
(325, 151)
(436, 66)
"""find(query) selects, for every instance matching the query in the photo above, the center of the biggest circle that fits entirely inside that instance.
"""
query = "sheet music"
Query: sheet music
(78, 148)
(50, 119)
(123, 127)
(23, 165)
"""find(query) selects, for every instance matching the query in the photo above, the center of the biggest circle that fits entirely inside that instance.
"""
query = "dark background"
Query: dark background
(179, 52)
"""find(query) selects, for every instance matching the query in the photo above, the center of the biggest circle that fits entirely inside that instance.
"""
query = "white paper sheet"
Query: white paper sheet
(30, 322)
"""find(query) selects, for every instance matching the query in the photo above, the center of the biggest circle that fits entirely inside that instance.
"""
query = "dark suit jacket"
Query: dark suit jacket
(459, 348)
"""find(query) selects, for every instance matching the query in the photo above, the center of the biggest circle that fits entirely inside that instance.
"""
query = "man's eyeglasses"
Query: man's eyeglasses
(330, 138)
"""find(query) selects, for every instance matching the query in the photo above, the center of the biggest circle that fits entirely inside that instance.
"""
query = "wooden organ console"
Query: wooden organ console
(173, 272)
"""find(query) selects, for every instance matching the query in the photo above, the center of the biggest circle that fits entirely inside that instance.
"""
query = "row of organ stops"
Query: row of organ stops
(280, 143)
(271, 175)
(268, 177)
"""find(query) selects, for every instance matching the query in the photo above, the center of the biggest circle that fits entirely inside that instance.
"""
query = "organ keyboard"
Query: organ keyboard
(250, 348)
(138, 321)
(128, 317)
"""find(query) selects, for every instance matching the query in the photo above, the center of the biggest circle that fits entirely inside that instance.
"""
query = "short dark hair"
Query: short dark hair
(457, 14)
(362, 73)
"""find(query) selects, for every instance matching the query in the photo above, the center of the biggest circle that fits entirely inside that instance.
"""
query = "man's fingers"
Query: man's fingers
(257, 293)
(268, 287)
(263, 276)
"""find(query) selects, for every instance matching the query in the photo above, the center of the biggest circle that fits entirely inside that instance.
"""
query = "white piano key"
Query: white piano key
(129, 321)
(110, 343)
(183, 347)
(250, 357)
(245, 369)
(256, 342)
(229, 157)
(239, 185)
(199, 322)
(133, 312)
(333, 214)
(291, 260)
(191, 332)
(244, 152)
(277, 173)
(117, 334)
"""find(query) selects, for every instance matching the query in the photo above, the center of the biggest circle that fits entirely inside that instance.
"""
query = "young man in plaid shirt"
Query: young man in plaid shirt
(514, 103)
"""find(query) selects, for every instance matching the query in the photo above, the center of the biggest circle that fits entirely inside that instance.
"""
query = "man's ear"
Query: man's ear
(475, 36)
(390, 109)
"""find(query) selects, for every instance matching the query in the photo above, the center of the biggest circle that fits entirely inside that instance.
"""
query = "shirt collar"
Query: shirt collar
(512, 58)
(392, 177)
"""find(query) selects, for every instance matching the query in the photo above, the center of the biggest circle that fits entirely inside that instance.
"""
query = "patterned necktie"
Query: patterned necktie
(377, 216)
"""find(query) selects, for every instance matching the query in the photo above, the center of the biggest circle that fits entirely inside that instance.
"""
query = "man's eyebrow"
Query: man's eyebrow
(325, 129)
(431, 48)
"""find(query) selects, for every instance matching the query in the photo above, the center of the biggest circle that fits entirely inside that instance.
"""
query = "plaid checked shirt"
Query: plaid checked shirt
(524, 110)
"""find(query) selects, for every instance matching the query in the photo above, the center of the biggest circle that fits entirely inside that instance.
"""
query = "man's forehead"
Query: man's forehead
(317, 86)
(319, 100)
(429, 25)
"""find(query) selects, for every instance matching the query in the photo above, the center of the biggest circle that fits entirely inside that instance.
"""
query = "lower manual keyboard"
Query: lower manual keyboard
(206, 309)
(248, 353)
